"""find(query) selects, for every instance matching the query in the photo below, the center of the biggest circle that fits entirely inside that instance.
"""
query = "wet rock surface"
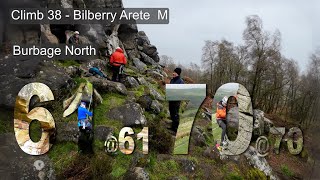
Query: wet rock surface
(130, 114)
(16, 164)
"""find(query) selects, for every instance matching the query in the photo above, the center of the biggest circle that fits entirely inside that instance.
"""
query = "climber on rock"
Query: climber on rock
(83, 117)
(117, 61)
(174, 106)
(75, 38)
(97, 71)
(221, 116)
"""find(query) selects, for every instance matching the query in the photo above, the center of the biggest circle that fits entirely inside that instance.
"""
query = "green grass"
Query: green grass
(254, 174)
(182, 141)
(165, 170)
(286, 171)
(35, 131)
(98, 145)
(62, 155)
(67, 63)
(120, 165)
(5, 121)
(140, 91)
(234, 176)
(110, 101)
(184, 130)
(216, 130)
(5, 127)
(78, 81)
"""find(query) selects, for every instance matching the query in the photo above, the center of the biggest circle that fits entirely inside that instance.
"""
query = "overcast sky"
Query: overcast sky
(193, 22)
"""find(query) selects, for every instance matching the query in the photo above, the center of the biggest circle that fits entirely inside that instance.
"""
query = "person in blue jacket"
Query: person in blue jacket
(174, 106)
(83, 114)
(97, 71)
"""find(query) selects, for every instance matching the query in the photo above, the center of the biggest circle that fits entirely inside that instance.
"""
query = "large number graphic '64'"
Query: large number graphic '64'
(23, 117)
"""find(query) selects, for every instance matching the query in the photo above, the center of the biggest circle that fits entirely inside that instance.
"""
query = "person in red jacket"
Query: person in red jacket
(117, 61)
(221, 116)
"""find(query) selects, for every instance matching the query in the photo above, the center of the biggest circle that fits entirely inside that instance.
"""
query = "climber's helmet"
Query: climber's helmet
(224, 101)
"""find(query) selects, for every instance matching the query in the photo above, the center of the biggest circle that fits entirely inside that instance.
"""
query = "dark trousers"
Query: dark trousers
(223, 125)
(85, 141)
(174, 107)
(116, 76)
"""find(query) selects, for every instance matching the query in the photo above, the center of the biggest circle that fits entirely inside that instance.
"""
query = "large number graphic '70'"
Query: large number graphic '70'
(194, 94)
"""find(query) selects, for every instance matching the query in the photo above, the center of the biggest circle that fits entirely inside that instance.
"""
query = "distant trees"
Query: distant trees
(274, 81)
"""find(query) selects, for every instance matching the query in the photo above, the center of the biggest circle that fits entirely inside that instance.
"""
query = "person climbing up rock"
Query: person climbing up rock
(221, 116)
(174, 106)
(97, 71)
(117, 61)
(83, 120)
(75, 38)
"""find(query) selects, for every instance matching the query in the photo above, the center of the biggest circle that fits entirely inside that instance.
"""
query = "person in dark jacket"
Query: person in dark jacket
(117, 61)
(75, 38)
(174, 106)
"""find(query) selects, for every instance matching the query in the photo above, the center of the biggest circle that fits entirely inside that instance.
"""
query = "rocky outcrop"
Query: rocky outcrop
(259, 162)
(67, 132)
(139, 65)
(16, 164)
(261, 124)
(147, 48)
(137, 173)
(155, 94)
(102, 132)
(147, 59)
(103, 85)
(156, 107)
(130, 114)
(47, 36)
(131, 82)
(145, 101)
(17, 72)
(198, 137)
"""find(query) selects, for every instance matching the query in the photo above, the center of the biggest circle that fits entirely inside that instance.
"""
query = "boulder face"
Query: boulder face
(156, 95)
(145, 101)
(131, 82)
(67, 131)
(259, 162)
(104, 85)
(16, 73)
(139, 65)
(137, 173)
(130, 114)
(156, 107)
(261, 124)
(16, 164)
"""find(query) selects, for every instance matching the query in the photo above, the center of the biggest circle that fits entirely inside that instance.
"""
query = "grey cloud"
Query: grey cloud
(193, 22)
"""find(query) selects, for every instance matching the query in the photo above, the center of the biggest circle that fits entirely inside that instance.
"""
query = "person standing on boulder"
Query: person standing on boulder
(174, 106)
(117, 61)
(221, 116)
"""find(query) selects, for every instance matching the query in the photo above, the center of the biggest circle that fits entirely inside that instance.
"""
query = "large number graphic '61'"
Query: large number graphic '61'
(195, 94)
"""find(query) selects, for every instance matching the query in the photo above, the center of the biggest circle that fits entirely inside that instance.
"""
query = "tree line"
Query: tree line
(275, 83)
